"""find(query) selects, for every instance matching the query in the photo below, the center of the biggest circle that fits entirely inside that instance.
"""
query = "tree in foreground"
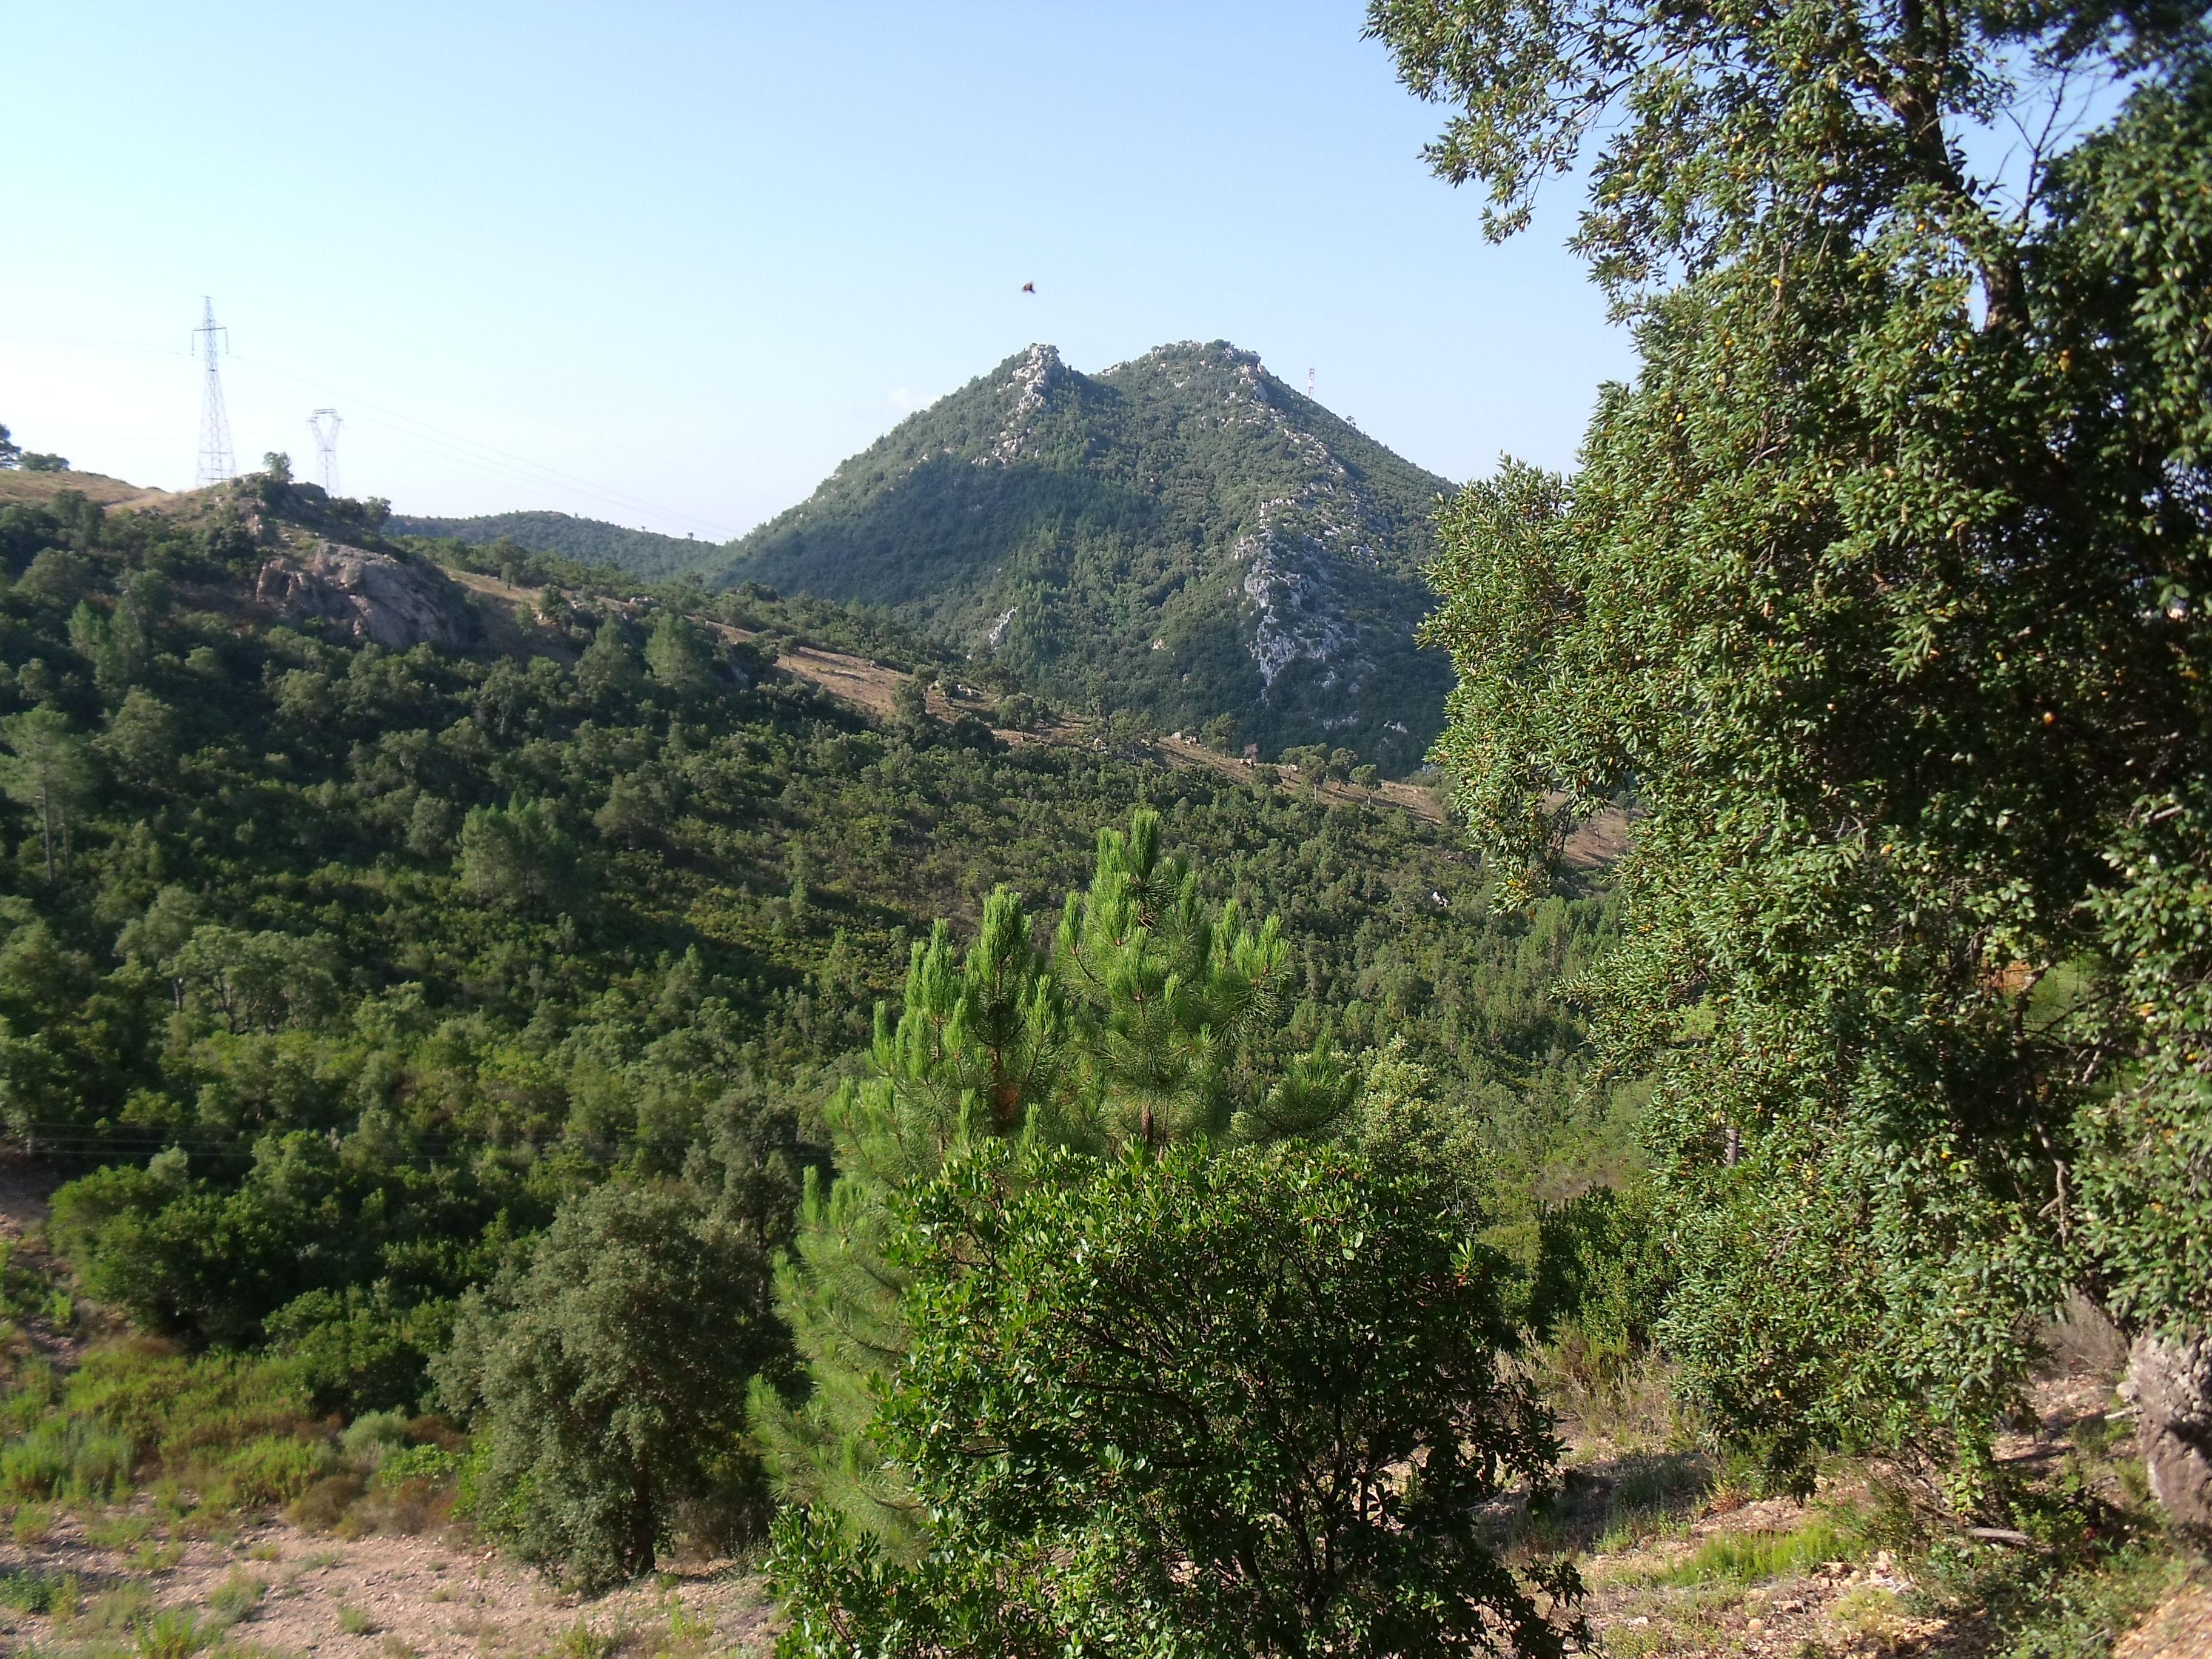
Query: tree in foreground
(1156, 1017)
(607, 1375)
(1251, 1403)
(1883, 589)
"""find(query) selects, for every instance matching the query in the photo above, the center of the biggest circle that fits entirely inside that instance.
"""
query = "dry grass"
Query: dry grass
(277, 1590)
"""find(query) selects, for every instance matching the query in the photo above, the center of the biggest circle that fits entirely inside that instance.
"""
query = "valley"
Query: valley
(1133, 1029)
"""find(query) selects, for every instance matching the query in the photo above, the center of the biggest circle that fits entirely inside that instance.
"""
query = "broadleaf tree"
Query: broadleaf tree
(1189, 1402)
(1881, 590)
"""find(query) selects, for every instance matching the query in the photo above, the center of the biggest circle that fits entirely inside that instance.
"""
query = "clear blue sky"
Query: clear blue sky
(668, 263)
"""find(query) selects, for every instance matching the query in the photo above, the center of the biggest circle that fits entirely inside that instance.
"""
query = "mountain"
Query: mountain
(1183, 535)
(643, 553)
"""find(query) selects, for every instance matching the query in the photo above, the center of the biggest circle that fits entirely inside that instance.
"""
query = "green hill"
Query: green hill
(1183, 535)
(588, 541)
(400, 914)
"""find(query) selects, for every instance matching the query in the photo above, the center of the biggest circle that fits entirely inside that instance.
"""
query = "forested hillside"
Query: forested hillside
(783, 1074)
(1183, 535)
(396, 946)
(642, 553)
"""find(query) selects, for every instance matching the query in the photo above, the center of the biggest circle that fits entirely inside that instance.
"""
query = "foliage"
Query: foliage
(14, 455)
(241, 1432)
(1178, 1007)
(640, 553)
(609, 1371)
(1158, 538)
(1156, 1017)
(356, 962)
(174, 1409)
(63, 1459)
(1601, 1270)
(29, 1591)
(1168, 1403)
(2146, 1169)
(360, 966)
(46, 771)
(1756, 1557)
(1880, 590)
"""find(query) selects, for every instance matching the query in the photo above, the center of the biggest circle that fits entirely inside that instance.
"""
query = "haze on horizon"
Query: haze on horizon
(669, 266)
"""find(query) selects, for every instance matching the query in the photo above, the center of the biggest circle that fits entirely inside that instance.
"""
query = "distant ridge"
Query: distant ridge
(643, 553)
(1185, 535)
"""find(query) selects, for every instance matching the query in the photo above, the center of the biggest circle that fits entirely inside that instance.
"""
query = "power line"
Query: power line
(325, 424)
(216, 465)
(63, 1136)
(472, 455)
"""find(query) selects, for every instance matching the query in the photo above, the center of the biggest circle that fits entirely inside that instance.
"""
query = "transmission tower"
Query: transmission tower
(325, 424)
(216, 466)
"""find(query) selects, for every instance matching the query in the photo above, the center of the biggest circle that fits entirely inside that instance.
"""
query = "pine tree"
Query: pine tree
(1155, 1020)
(978, 1048)
(609, 667)
(677, 657)
(46, 771)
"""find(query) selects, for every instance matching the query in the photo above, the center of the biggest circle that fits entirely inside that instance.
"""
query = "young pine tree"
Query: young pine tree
(1156, 1020)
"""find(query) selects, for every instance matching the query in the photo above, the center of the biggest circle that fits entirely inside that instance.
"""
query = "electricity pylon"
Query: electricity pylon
(216, 466)
(325, 424)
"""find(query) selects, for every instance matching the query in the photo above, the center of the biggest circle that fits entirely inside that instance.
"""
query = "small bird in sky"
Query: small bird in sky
(1029, 287)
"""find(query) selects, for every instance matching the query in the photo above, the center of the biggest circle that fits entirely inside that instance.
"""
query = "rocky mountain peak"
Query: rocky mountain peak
(1182, 533)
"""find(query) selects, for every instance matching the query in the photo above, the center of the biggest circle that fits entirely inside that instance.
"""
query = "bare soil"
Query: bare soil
(2182, 1628)
(41, 487)
(377, 1597)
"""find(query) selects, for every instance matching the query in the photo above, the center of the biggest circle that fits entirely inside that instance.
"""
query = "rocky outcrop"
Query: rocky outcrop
(391, 602)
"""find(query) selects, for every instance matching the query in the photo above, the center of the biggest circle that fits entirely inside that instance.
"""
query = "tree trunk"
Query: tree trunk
(2170, 1380)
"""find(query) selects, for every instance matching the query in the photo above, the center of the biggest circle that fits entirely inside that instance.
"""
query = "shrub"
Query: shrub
(608, 1371)
(174, 1408)
(373, 1435)
(273, 1469)
(1752, 1557)
(1173, 1404)
(29, 1591)
(414, 1463)
(117, 1610)
(175, 1634)
(1601, 1267)
(237, 1598)
(324, 1504)
(355, 1622)
(66, 1459)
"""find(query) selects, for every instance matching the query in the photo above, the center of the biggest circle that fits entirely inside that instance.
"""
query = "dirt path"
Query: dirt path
(869, 686)
(425, 1597)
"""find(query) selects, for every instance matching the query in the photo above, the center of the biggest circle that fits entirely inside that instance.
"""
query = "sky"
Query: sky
(667, 265)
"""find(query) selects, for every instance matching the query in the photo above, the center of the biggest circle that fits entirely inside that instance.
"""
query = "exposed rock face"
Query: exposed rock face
(394, 603)
(2171, 1384)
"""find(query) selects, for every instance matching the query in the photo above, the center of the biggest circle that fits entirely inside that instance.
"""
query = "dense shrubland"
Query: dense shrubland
(416, 1023)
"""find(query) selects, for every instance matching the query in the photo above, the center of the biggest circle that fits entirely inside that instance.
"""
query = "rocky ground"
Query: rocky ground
(271, 1586)
(1676, 1564)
